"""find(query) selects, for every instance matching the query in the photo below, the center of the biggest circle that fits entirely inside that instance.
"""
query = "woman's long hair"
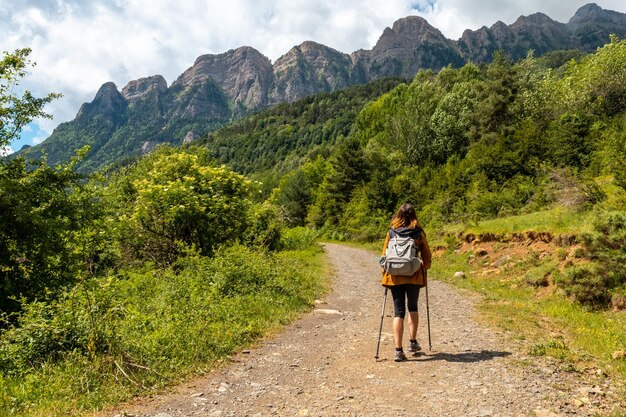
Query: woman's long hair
(405, 217)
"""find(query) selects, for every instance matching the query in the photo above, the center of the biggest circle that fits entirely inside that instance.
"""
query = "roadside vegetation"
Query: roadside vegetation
(121, 283)
(544, 290)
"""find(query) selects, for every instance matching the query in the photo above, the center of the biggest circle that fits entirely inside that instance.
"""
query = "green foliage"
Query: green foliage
(596, 85)
(614, 154)
(557, 59)
(79, 321)
(293, 197)
(298, 238)
(107, 339)
(264, 230)
(594, 284)
(175, 199)
(16, 112)
(45, 214)
(348, 170)
(569, 140)
(409, 130)
(359, 222)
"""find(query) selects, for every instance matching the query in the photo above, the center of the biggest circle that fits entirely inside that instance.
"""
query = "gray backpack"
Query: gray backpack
(400, 256)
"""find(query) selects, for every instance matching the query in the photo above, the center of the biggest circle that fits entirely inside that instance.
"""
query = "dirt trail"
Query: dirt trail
(323, 365)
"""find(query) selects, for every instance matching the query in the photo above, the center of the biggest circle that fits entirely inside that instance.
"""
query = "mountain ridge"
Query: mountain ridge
(222, 87)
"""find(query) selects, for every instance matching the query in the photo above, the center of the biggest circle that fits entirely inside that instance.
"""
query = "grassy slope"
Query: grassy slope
(578, 339)
(556, 221)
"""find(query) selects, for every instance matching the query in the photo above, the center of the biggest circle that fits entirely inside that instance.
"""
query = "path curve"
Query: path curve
(323, 364)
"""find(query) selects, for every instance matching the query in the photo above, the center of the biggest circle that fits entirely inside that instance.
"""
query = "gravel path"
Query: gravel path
(323, 365)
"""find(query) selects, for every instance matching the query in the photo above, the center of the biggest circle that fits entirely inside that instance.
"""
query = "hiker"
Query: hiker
(405, 288)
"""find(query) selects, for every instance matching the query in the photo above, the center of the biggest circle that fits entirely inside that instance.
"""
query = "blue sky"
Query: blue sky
(79, 45)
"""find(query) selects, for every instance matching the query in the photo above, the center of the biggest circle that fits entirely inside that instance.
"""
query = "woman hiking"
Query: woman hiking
(405, 288)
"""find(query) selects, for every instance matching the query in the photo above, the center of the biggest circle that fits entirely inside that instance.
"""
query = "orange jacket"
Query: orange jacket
(417, 278)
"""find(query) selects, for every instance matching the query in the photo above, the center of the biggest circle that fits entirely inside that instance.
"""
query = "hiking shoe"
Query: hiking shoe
(400, 356)
(414, 347)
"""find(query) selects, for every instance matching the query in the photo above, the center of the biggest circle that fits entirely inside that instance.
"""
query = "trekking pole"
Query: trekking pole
(430, 344)
(380, 331)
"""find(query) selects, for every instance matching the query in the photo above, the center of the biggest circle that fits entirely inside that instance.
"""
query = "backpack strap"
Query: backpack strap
(392, 233)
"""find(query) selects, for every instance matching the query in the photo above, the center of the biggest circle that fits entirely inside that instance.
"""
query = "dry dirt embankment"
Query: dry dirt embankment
(323, 364)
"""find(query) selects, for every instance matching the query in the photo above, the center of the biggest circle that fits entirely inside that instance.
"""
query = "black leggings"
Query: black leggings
(398, 293)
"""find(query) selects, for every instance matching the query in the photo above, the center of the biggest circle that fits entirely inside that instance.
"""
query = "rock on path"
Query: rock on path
(323, 364)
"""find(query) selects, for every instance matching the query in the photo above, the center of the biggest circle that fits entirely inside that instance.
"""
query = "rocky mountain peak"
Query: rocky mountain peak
(412, 25)
(399, 51)
(137, 89)
(108, 103)
(469, 33)
(585, 12)
(243, 73)
(407, 31)
(591, 26)
(499, 26)
(533, 19)
(605, 19)
(309, 51)
(309, 68)
(312, 46)
(106, 91)
(220, 66)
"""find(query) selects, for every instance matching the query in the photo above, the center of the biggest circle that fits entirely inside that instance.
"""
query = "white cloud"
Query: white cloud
(37, 139)
(80, 45)
(5, 150)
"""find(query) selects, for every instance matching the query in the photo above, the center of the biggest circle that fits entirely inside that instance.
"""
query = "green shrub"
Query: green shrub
(586, 285)
(81, 321)
(594, 284)
(264, 230)
(361, 222)
(174, 199)
(298, 238)
(42, 210)
(452, 242)
(536, 280)
(233, 274)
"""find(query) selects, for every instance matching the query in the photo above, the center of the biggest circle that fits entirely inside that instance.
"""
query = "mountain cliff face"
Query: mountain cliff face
(310, 68)
(591, 26)
(537, 32)
(244, 74)
(222, 87)
(107, 105)
(410, 45)
(137, 89)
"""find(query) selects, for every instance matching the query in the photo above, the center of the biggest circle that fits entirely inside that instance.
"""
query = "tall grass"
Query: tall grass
(556, 220)
(137, 331)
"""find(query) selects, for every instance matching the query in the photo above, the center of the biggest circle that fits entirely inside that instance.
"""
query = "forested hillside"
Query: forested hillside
(463, 145)
(281, 137)
(468, 143)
